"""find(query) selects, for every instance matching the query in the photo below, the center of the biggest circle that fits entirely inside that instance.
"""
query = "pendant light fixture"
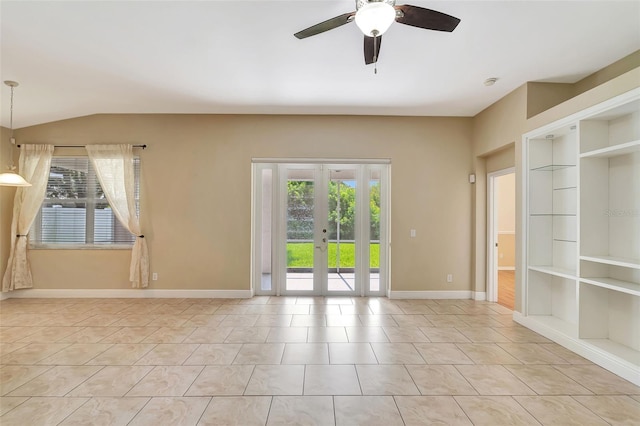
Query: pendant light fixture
(11, 177)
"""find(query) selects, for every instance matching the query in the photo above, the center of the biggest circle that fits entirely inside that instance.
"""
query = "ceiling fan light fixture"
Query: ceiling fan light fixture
(374, 19)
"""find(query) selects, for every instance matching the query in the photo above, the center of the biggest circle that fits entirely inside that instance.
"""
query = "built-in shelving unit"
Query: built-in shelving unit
(582, 245)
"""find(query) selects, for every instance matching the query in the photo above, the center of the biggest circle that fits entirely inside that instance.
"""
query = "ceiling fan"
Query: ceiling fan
(374, 17)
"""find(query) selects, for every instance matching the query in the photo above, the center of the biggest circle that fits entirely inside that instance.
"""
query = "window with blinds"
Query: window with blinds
(75, 211)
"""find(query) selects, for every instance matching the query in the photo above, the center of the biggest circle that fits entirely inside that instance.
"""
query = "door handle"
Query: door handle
(323, 246)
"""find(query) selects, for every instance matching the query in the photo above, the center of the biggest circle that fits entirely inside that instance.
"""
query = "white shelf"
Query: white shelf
(552, 215)
(580, 291)
(553, 270)
(610, 347)
(556, 324)
(613, 284)
(615, 261)
(613, 151)
(552, 167)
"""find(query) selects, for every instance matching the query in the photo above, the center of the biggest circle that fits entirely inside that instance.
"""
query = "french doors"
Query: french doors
(320, 229)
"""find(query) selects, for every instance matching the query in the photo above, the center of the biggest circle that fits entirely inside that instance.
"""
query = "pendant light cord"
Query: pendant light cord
(12, 166)
(11, 116)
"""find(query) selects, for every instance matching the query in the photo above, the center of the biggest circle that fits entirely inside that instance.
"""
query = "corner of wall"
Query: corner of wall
(610, 72)
(542, 96)
(607, 90)
(501, 123)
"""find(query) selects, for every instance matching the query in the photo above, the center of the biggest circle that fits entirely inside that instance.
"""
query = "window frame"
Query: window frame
(90, 204)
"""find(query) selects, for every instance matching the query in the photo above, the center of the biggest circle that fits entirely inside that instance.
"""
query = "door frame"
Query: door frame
(492, 232)
(362, 196)
(279, 261)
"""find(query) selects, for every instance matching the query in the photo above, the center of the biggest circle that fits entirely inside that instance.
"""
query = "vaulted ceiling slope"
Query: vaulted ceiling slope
(78, 58)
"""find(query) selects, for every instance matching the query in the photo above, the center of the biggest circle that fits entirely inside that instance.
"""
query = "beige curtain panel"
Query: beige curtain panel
(113, 165)
(35, 163)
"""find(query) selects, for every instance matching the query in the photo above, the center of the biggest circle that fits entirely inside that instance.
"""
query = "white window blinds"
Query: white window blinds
(75, 210)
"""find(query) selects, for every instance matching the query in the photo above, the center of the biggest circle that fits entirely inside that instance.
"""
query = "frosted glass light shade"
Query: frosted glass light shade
(12, 179)
(375, 17)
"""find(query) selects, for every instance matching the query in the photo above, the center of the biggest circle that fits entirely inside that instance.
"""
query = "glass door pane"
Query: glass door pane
(341, 260)
(374, 230)
(266, 213)
(300, 229)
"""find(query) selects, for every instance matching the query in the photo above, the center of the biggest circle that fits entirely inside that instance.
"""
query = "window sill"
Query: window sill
(80, 247)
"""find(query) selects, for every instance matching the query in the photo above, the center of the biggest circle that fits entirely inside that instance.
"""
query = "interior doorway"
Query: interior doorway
(320, 228)
(501, 204)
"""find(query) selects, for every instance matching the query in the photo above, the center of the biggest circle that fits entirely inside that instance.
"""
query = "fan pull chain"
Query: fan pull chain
(375, 54)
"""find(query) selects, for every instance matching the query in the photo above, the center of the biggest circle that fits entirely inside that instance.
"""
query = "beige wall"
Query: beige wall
(500, 124)
(501, 160)
(506, 250)
(198, 224)
(506, 196)
(622, 66)
(196, 193)
(607, 90)
(498, 159)
(542, 96)
(506, 193)
(497, 133)
(6, 199)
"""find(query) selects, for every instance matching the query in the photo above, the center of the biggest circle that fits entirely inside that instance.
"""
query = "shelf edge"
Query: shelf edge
(623, 286)
(558, 272)
(614, 150)
(609, 260)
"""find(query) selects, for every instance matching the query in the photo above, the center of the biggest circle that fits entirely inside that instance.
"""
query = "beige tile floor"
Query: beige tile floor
(292, 361)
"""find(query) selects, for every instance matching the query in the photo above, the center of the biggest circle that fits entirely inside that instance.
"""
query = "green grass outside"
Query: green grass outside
(300, 255)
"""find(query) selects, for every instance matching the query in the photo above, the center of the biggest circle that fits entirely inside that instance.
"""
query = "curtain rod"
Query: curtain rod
(83, 146)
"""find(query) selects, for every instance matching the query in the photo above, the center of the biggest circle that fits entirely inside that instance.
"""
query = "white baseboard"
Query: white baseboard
(616, 364)
(204, 294)
(461, 294)
(125, 293)
(506, 268)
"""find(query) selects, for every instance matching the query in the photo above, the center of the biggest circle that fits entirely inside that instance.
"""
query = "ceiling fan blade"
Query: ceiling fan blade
(371, 44)
(426, 18)
(327, 25)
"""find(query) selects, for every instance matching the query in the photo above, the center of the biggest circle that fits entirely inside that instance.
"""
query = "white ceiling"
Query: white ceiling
(77, 58)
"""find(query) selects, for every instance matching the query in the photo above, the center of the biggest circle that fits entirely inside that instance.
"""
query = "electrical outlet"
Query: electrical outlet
(412, 233)
(449, 278)
(154, 276)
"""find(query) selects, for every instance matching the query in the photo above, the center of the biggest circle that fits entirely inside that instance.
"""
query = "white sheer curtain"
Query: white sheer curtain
(35, 162)
(113, 165)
